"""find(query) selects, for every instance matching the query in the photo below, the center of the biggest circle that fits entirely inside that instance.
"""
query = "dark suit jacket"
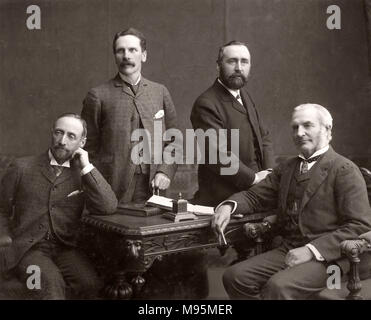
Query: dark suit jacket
(216, 108)
(334, 207)
(32, 196)
(107, 111)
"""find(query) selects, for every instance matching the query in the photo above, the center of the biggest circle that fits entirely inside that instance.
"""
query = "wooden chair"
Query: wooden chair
(352, 287)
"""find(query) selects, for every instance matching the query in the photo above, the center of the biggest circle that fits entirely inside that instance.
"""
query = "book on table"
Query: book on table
(139, 209)
(167, 204)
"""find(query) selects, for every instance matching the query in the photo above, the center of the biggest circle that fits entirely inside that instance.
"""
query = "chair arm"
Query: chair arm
(5, 241)
(258, 229)
(352, 249)
(366, 236)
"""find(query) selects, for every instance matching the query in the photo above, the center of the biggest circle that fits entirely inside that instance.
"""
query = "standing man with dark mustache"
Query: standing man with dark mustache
(227, 105)
(115, 109)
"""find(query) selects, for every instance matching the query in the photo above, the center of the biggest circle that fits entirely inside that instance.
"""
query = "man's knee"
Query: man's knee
(277, 287)
(239, 285)
(229, 277)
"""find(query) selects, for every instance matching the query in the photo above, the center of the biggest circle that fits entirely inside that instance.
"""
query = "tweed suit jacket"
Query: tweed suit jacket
(32, 198)
(217, 109)
(335, 205)
(107, 110)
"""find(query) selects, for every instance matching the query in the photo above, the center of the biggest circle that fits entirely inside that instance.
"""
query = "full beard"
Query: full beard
(235, 81)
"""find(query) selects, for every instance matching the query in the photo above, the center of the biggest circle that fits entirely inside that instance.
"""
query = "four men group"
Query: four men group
(320, 196)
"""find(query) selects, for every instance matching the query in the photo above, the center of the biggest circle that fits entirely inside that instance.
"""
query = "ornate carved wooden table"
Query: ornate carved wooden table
(126, 246)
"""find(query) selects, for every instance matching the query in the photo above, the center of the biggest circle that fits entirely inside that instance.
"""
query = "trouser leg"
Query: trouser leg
(296, 283)
(78, 273)
(141, 188)
(245, 279)
(52, 285)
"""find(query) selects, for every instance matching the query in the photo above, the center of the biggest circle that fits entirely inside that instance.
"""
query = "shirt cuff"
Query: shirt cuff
(256, 179)
(233, 203)
(315, 252)
(86, 169)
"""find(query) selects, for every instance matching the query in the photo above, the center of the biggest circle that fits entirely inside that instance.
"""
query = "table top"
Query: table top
(136, 225)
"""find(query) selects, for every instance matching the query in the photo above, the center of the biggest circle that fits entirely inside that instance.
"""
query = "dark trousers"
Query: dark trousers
(63, 270)
(265, 276)
(138, 190)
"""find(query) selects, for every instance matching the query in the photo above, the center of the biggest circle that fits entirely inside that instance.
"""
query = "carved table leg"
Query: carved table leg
(138, 282)
(120, 289)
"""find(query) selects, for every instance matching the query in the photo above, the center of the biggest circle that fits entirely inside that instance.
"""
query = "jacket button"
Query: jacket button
(31, 240)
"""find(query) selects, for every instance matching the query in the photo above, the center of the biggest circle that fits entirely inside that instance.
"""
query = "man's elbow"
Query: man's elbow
(104, 207)
(110, 206)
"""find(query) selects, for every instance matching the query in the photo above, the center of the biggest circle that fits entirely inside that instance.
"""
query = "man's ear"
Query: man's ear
(144, 56)
(82, 142)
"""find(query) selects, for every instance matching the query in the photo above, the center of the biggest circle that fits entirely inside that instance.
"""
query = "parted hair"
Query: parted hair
(133, 32)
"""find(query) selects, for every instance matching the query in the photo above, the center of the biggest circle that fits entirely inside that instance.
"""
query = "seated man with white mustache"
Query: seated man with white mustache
(322, 200)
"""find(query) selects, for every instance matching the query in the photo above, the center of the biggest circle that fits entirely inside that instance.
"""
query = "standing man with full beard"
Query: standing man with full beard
(227, 105)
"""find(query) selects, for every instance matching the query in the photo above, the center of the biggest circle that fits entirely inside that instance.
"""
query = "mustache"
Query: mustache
(237, 75)
(125, 63)
(301, 140)
(60, 148)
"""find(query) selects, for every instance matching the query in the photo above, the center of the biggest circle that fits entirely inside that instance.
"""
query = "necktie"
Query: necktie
(238, 97)
(133, 87)
(304, 167)
(57, 170)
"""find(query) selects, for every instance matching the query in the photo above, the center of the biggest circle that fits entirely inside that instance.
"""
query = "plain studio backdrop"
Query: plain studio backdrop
(296, 58)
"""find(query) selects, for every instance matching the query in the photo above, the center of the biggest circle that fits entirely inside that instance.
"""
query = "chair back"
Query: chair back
(367, 176)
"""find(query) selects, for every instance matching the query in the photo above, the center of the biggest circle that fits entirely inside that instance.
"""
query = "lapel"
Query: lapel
(118, 82)
(145, 106)
(228, 99)
(142, 100)
(318, 175)
(249, 104)
(45, 168)
(48, 173)
(287, 175)
(142, 86)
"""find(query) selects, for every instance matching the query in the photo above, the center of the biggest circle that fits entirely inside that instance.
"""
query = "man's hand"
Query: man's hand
(298, 256)
(221, 218)
(160, 181)
(82, 157)
(261, 175)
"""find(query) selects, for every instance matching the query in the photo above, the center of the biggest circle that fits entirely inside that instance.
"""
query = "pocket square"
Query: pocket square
(159, 114)
(74, 193)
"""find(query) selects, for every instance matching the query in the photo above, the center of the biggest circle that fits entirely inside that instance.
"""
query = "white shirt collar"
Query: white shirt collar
(126, 79)
(54, 162)
(317, 153)
(234, 93)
